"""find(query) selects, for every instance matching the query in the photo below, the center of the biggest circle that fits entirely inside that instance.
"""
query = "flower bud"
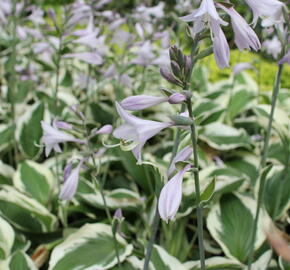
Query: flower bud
(106, 129)
(179, 120)
(167, 75)
(176, 69)
(177, 98)
(140, 102)
(62, 125)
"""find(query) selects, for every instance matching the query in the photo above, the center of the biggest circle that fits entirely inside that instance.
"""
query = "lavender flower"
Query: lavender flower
(269, 9)
(183, 155)
(285, 59)
(52, 137)
(245, 37)
(140, 102)
(241, 67)
(137, 130)
(70, 185)
(273, 46)
(177, 98)
(170, 196)
(93, 58)
(106, 129)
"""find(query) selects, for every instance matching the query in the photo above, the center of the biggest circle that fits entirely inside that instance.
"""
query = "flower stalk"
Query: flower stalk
(197, 186)
(263, 164)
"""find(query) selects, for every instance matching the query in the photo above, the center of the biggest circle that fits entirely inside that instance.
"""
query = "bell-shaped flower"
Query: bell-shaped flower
(93, 58)
(273, 46)
(238, 68)
(170, 196)
(245, 36)
(52, 137)
(221, 47)
(140, 102)
(272, 10)
(285, 59)
(183, 155)
(203, 15)
(137, 130)
(70, 185)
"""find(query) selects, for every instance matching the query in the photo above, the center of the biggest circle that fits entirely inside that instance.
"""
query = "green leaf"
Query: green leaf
(223, 137)
(7, 237)
(20, 261)
(161, 260)
(29, 132)
(208, 192)
(90, 247)
(36, 180)
(6, 173)
(6, 136)
(276, 192)
(25, 213)
(230, 230)
(215, 263)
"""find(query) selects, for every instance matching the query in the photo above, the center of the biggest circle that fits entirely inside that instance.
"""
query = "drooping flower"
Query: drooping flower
(272, 10)
(93, 58)
(245, 36)
(221, 47)
(285, 59)
(140, 102)
(273, 46)
(170, 196)
(203, 15)
(137, 130)
(52, 137)
(207, 16)
(70, 185)
(182, 155)
(241, 67)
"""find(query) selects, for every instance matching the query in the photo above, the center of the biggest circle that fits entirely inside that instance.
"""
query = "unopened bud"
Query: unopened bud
(181, 120)
(176, 69)
(177, 98)
(63, 125)
(106, 129)
(167, 75)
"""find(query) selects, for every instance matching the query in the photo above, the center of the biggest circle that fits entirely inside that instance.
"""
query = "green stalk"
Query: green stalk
(197, 186)
(263, 163)
(101, 188)
(156, 219)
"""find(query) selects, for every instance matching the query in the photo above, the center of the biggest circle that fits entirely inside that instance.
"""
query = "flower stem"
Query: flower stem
(263, 163)
(156, 219)
(197, 187)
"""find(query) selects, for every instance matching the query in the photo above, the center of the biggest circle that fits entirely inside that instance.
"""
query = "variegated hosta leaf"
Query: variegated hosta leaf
(6, 173)
(24, 212)
(7, 237)
(230, 223)
(117, 198)
(6, 135)
(242, 99)
(262, 262)
(89, 248)
(131, 263)
(162, 260)
(277, 190)
(223, 137)
(21, 261)
(227, 180)
(28, 131)
(215, 263)
(36, 180)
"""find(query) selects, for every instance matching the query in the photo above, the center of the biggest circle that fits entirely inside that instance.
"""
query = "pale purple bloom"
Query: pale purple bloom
(144, 55)
(93, 58)
(69, 187)
(245, 37)
(118, 214)
(273, 46)
(221, 47)
(52, 137)
(203, 15)
(106, 129)
(177, 98)
(270, 9)
(170, 196)
(62, 125)
(241, 67)
(285, 59)
(140, 102)
(137, 130)
(67, 171)
(182, 155)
